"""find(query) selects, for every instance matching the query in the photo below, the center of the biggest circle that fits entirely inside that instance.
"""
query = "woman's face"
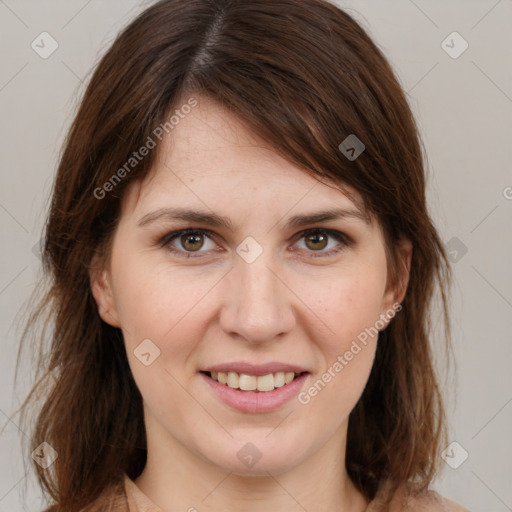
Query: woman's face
(247, 292)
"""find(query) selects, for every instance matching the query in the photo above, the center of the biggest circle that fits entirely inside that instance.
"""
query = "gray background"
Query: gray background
(463, 107)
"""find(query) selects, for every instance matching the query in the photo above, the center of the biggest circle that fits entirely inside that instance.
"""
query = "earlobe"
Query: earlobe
(102, 293)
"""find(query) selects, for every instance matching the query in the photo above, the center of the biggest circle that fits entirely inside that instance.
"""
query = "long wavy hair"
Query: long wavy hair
(303, 75)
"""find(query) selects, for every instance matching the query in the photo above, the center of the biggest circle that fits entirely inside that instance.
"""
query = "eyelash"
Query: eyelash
(166, 240)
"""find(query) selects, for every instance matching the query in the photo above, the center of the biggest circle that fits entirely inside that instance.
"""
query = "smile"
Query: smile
(254, 389)
(262, 383)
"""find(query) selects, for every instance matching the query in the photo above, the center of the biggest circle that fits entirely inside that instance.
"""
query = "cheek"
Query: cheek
(348, 303)
(154, 303)
(163, 305)
(150, 299)
(347, 353)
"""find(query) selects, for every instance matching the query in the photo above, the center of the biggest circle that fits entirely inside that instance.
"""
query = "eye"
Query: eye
(190, 240)
(317, 239)
(188, 243)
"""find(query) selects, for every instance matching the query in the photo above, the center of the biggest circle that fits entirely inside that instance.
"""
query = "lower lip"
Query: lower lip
(256, 401)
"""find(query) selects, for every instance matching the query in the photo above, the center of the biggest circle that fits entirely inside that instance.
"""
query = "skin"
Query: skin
(287, 305)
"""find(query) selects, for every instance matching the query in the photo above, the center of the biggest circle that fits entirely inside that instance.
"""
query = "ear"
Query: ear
(101, 288)
(395, 291)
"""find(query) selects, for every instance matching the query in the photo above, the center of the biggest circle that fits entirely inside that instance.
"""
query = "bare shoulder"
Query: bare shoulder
(433, 502)
(451, 506)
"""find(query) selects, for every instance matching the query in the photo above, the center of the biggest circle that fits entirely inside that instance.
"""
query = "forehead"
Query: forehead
(211, 158)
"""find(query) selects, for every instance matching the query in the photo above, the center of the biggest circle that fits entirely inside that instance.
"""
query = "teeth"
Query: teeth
(288, 377)
(279, 379)
(246, 382)
(233, 380)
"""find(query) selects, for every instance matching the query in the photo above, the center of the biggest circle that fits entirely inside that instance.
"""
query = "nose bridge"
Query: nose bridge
(257, 305)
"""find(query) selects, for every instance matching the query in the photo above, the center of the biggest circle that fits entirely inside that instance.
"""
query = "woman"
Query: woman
(242, 265)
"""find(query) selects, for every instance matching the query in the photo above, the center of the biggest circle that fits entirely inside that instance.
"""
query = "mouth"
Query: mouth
(255, 389)
(255, 383)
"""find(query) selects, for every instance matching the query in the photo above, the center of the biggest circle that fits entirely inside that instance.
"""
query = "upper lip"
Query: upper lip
(255, 369)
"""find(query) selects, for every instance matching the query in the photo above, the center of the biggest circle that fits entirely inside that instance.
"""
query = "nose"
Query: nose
(258, 306)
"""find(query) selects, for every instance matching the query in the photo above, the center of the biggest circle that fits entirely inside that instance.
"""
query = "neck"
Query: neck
(176, 479)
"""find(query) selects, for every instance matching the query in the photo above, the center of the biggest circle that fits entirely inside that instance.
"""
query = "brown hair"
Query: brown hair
(303, 75)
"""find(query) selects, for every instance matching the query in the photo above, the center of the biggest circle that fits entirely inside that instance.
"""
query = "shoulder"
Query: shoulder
(407, 500)
(111, 499)
(451, 506)
(429, 501)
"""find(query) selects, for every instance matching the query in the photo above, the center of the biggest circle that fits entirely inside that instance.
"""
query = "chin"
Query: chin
(259, 454)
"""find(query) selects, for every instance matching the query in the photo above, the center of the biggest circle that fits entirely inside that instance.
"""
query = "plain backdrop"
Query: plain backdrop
(463, 104)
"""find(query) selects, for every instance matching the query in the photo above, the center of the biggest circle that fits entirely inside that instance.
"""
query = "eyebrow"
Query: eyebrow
(218, 221)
